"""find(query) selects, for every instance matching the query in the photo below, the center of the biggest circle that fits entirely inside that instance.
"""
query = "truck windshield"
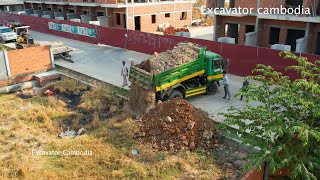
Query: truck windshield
(218, 63)
(5, 30)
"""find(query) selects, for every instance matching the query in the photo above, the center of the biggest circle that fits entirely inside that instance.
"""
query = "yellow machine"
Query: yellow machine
(23, 37)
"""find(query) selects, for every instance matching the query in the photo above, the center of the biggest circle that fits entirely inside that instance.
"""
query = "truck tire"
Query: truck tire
(212, 88)
(175, 94)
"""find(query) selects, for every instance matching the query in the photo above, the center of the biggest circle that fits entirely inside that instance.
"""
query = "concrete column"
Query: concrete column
(51, 57)
(283, 35)
(310, 36)
(6, 59)
(242, 34)
(258, 29)
(219, 28)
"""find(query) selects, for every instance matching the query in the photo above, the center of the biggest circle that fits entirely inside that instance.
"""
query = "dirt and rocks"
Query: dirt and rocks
(182, 53)
(176, 125)
(140, 99)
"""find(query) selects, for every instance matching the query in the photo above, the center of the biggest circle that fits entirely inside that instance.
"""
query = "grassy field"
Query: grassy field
(29, 125)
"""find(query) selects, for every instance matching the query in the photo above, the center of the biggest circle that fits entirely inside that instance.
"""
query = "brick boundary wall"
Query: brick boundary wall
(254, 174)
(24, 63)
(242, 58)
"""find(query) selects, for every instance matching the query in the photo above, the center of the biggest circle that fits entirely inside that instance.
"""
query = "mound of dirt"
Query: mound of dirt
(182, 53)
(176, 125)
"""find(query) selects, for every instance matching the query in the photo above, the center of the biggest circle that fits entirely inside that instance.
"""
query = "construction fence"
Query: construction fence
(243, 59)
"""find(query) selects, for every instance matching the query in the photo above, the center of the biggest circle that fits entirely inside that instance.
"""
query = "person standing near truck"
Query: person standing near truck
(226, 84)
(124, 73)
(245, 84)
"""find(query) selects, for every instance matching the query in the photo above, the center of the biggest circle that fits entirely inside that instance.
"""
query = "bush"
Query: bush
(287, 119)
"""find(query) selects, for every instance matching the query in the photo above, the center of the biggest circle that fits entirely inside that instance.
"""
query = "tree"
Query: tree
(286, 119)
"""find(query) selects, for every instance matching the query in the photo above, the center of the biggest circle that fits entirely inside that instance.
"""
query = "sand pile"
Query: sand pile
(176, 125)
(182, 53)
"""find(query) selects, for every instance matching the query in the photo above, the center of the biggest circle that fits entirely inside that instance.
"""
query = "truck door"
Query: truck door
(215, 69)
(210, 67)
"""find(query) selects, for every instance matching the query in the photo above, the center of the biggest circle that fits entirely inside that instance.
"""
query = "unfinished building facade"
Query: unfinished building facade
(299, 32)
(11, 5)
(141, 15)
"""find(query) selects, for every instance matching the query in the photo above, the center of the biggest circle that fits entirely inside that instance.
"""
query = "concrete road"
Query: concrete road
(104, 63)
(99, 61)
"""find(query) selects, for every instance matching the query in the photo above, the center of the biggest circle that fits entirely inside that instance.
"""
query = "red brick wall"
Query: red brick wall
(246, 3)
(254, 174)
(272, 3)
(28, 60)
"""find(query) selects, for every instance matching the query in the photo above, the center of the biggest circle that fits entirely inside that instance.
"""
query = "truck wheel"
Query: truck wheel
(175, 94)
(212, 88)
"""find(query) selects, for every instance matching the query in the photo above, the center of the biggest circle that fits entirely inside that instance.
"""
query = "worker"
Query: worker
(245, 84)
(23, 33)
(226, 84)
(124, 73)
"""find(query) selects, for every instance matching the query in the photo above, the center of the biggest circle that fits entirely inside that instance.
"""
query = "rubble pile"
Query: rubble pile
(182, 53)
(176, 125)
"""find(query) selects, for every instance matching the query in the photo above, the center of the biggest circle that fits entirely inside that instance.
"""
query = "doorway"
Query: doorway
(292, 36)
(249, 28)
(233, 31)
(137, 23)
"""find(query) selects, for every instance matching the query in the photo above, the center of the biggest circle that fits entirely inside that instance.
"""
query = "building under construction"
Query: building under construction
(299, 32)
(141, 15)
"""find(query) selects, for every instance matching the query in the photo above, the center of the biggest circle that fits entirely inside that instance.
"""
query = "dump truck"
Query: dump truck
(196, 77)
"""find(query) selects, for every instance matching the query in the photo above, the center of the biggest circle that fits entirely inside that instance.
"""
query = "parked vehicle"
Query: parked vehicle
(7, 34)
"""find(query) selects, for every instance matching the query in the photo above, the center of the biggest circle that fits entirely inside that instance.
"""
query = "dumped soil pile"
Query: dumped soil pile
(182, 53)
(140, 99)
(176, 125)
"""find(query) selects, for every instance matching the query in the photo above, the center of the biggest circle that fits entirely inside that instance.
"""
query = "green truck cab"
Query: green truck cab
(196, 77)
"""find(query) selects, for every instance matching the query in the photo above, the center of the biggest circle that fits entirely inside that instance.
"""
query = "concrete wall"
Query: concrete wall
(71, 16)
(251, 39)
(103, 21)
(85, 18)
(49, 13)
